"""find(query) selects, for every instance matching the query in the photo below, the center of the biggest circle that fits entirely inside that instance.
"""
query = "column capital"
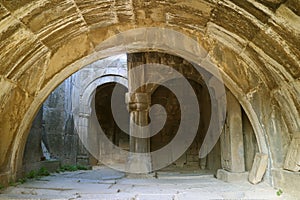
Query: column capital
(137, 101)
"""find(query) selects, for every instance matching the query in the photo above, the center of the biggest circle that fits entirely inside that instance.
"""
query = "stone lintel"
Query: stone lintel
(138, 97)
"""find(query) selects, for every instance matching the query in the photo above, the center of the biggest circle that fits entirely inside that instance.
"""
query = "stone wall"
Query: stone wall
(54, 123)
(190, 158)
(54, 126)
(33, 150)
(238, 125)
(59, 134)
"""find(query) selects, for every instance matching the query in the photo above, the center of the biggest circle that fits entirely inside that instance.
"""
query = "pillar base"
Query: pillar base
(139, 164)
(231, 176)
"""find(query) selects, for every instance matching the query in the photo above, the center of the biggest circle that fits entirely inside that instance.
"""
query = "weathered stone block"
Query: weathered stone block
(287, 181)
(250, 143)
(33, 149)
(4, 178)
(232, 145)
(258, 168)
(292, 160)
(50, 165)
(230, 176)
(139, 163)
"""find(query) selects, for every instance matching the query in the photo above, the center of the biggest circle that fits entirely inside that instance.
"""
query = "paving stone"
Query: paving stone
(206, 188)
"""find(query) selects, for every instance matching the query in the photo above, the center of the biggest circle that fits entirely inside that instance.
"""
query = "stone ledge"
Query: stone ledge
(231, 176)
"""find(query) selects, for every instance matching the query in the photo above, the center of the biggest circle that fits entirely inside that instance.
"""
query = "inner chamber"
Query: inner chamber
(54, 124)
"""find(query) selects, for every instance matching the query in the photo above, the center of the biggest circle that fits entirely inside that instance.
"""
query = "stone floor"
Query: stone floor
(107, 184)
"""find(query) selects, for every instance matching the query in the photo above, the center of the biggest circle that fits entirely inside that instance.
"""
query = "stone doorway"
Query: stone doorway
(189, 161)
(105, 116)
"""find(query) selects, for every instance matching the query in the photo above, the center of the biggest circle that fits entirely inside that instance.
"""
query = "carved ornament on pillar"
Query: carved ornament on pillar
(138, 101)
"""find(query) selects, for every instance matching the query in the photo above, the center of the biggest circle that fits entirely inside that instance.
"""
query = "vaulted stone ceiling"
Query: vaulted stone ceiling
(255, 43)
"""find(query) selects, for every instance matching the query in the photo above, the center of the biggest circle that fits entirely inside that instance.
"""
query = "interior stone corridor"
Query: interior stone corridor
(88, 83)
(235, 158)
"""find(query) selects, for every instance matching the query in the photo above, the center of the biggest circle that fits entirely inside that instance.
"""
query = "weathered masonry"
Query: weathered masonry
(254, 44)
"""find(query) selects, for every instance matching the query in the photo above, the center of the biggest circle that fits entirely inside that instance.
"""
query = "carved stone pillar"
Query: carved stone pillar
(138, 106)
(138, 101)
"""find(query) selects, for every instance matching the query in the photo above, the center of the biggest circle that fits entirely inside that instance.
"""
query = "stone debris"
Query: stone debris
(259, 168)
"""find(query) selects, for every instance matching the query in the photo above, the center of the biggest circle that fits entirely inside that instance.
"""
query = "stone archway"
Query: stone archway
(86, 120)
(246, 52)
(133, 43)
(87, 80)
